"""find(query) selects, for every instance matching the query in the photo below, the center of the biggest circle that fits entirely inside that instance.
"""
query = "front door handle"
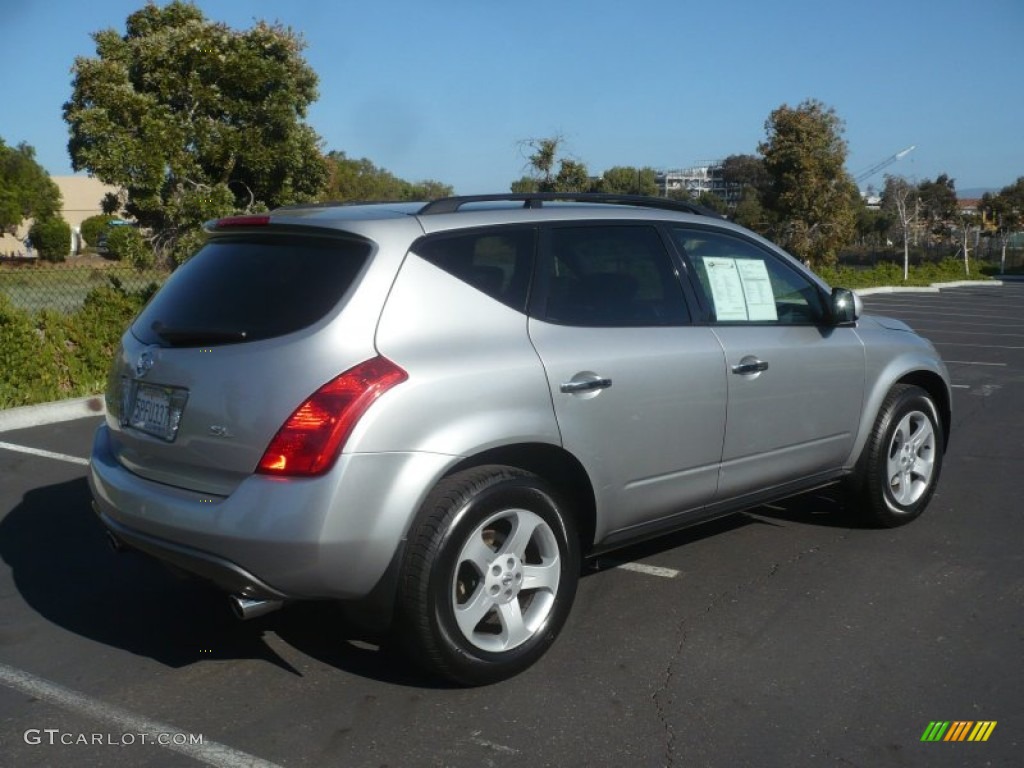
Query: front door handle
(749, 365)
(587, 385)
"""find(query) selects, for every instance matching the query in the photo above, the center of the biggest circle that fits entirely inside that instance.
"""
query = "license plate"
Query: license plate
(153, 409)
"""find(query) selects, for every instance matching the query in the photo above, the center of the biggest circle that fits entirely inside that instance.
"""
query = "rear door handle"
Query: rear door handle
(587, 385)
(749, 365)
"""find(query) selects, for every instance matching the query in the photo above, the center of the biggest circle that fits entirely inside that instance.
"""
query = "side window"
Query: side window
(498, 262)
(604, 276)
(744, 283)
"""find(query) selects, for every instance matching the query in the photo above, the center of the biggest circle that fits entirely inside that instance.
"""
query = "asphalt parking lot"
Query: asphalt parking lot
(789, 635)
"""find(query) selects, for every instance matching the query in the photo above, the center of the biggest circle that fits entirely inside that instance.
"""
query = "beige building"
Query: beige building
(81, 196)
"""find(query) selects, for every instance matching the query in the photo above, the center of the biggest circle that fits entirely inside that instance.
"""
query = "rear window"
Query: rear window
(236, 290)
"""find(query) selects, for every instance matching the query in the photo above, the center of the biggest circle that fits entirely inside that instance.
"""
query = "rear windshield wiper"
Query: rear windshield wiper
(194, 337)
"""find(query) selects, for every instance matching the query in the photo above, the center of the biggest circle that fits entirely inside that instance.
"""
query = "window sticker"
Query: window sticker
(726, 288)
(757, 289)
(741, 289)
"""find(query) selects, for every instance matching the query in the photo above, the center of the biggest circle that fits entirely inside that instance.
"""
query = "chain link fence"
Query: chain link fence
(985, 254)
(63, 287)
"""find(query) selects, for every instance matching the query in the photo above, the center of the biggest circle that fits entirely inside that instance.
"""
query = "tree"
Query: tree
(627, 180)
(1005, 212)
(808, 189)
(26, 189)
(712, 201)
(938, 203)
(429, 190)
(571, 176)
(969, 224)
(745, 171)
(542, 160)
(900, 197)
(352, 180)
(112, 203)
(524, 185)
(749, 212)
(127, 244)
(194, 119)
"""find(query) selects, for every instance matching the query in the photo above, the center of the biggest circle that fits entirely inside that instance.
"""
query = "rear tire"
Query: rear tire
(899, 469)
(489, 575)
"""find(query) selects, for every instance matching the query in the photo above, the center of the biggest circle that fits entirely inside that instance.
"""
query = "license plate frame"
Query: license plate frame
(152, 409)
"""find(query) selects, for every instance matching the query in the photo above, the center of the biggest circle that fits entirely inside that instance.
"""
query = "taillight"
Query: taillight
(312, 437)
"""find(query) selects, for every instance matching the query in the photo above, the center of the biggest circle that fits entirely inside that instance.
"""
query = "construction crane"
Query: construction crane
(863, 176)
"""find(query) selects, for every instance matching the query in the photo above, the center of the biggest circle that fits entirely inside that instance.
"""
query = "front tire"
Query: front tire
(489, 576)
(902, 460)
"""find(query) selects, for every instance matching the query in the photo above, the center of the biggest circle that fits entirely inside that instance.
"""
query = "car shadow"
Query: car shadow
(65, 571)
(664, 543)
(826, 507)
(822, 507)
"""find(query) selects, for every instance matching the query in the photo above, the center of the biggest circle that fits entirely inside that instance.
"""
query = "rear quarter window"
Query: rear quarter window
(496, 261)
(241, 289)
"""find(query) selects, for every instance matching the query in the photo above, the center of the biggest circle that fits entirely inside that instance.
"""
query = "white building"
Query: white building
(701, 178)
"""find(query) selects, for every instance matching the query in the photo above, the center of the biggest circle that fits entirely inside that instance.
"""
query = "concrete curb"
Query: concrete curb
(51, 413)
(933, 288)
(895, 289)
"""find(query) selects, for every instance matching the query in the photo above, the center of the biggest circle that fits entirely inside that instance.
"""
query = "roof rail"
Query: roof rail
(537, 200)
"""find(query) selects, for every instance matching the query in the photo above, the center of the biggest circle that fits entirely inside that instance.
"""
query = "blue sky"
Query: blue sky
(445, 89)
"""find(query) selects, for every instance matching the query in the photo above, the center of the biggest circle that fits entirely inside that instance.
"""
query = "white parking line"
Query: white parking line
(650, 570)
(209, 752)
(939, 315)
(964, 344)
(966, 333)
(973, 362)
(44, 454)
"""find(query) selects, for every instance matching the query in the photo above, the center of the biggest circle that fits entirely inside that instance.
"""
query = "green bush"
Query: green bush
(51, 238)
(126, 243)
(49, 355)
(888, 273)
(93, 227)
(26, 376)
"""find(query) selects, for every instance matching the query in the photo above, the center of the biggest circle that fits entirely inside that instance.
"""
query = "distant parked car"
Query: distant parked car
(434, 411)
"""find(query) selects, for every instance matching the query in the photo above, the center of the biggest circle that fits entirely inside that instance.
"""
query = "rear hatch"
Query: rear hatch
(234, 341)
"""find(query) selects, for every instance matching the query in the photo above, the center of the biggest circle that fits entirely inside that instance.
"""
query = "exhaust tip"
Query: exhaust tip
(246, 608)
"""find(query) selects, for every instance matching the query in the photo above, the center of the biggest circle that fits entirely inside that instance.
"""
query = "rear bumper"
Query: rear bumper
(330, 537)
(227, 575)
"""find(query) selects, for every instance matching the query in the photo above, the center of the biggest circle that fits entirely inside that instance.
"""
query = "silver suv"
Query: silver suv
(433, 412)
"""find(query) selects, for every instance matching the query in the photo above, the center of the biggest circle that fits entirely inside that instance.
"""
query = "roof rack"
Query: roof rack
(537, 200)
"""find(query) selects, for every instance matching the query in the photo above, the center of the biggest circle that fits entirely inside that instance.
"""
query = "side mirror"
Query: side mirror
(846, 306)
